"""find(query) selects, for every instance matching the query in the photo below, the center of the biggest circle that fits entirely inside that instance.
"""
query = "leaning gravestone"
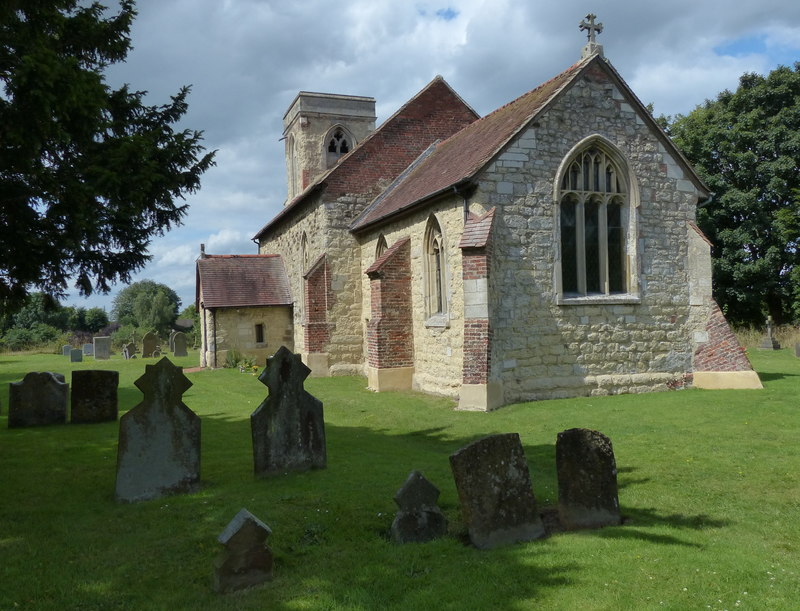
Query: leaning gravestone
(179, 344)
(246, 560)
(587, 480)
(94, 396)
(288, 427)
(149, 344)
(419, 518)
(76, 355)
(88, 349)
(102, 348)
(495, 491)
(38, 400)
(66, 350)
(159, 439)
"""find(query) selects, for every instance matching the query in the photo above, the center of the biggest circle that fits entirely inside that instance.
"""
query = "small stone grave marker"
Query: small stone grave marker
(179, 344)
(88, 349)
(172, 340)
(102, 348)
(587, 480)
(159, 439)
(129, 350)
(246, 560)
(94, 396)
(495, 491)
(769, 342)
(149, 344)
(797, 350)
(288, 428)
(66, 350)
(76, 355)
(419, 518)
(39, 399)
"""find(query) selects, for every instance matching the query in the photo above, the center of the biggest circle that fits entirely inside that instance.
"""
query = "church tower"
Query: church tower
(318, 129)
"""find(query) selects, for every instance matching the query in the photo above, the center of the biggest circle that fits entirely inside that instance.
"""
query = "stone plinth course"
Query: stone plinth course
(94, 396)
(102, 348)
(246, 560)
(159, 439)
(288, 428)
(495, 492)
(587, 480)
(178, 344)
(39, 399)
(419, 518)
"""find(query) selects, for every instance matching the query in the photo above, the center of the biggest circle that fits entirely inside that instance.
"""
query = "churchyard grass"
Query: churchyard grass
(709, 487)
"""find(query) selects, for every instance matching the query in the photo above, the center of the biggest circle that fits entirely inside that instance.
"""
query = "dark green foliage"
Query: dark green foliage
(88, 174)
(746, 146)
(147, 305)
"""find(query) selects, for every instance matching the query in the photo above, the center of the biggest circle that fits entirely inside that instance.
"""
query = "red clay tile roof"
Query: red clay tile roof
(477, 230)
(465, 153)
(435, 113)
(229, 281)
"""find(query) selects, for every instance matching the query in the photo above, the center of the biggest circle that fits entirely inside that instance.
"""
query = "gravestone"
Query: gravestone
(246, 560)
(102, 348)
(495, 492)
(38, 400)
(76, 355)
(88, 349)
(769, 342)
(159, 439)
(149, 344)
(129, 350)
(587, 480)
(419, 518)
(66, 350)
(172, 340)
(288, 428)
(94, 396)
(797, 350)
(179, 344)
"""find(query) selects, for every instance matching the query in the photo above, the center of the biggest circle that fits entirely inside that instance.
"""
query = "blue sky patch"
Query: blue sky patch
(447, 14)
(743, 46)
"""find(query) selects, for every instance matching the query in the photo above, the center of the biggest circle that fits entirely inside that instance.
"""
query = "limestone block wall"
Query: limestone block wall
(235, 328)
(546, 348)
(438, 350)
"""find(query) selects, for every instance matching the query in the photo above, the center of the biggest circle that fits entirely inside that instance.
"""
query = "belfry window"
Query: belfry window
(593, 199)
(337, 143)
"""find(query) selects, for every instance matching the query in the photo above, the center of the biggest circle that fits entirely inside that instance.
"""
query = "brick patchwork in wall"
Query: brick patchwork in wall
(722, 351)
(319, 299)
(389, 332)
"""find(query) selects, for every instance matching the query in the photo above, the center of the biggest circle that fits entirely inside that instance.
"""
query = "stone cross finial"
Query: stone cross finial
(592, 28)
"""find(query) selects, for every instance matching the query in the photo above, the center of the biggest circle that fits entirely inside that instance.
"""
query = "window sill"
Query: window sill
(438, 321)
(622, 299)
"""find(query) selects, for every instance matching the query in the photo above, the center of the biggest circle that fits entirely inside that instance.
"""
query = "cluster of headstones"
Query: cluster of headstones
(151, 347)
(42, 398)
(100, 348)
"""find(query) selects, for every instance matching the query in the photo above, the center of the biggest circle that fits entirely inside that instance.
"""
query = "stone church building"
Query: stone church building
(547, 249)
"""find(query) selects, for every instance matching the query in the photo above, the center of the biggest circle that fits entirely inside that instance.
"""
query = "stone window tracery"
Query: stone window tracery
(594, 210)
(435, 271)
(338, 142)
(381, 247)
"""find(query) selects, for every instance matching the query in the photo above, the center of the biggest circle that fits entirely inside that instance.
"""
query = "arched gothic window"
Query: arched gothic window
(337, 143)
(435, 272)
(304, 252)
(381, 247)
(291, 162)
(594, 201)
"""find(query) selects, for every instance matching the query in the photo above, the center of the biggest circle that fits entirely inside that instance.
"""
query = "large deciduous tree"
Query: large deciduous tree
(147, 305)
(88, 174)
(746, 146)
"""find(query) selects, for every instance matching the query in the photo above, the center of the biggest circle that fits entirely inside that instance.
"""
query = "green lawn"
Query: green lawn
(709, 484)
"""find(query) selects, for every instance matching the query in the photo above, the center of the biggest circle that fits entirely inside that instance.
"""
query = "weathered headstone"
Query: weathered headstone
(179, 344)
(159, 439)
(246, 560)
(88, 349)
(76, 355)
(797, 350)
(769, 342)
(495, 491)
(38, 400)
(102, 348)
(149, 344)
(172, 340)
(419, 518)
(288, 427)
(94, 396)
(129, 350)
(66, 350)
(587, 480)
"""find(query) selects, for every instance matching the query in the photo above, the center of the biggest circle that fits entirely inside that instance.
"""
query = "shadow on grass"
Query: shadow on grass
(771, 377)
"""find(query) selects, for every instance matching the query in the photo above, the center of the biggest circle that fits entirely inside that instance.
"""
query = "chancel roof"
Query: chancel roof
(226, 281)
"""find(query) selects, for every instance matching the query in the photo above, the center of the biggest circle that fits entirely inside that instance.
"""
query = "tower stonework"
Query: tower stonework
(319, 128)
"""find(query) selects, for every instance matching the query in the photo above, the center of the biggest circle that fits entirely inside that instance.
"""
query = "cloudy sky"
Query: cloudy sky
(247, 59)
